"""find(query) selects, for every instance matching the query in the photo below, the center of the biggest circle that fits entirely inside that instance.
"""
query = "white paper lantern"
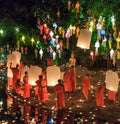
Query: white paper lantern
(112, 80)
(18, 56)
(33, 74)
(53, 74)
(84, 39)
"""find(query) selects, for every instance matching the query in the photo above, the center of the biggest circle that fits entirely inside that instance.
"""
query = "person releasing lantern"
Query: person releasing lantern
(41, 89)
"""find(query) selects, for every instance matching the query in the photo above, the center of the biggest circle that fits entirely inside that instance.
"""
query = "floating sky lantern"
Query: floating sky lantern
(84, 39)
(111, 77)
(34, 73)
(53, 74)
(18, 56)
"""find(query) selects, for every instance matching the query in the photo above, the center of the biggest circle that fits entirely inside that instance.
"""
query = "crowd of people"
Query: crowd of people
(67, 85)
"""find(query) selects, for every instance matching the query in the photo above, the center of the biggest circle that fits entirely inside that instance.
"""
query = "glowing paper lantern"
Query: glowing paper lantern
(11, 59)
(112, 80)
(84, 39)
(53, 74)
(34, 73)
(17, 55)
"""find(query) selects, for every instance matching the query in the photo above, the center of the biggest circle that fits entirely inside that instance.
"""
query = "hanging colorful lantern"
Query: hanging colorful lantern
(77, 7)
(110, 40)
(41, 53)
(55, 26)
(41, 29)
(92, 55)
(77, 32)
(97, 45)
(67, 35)
(69, 4)
(45, 37)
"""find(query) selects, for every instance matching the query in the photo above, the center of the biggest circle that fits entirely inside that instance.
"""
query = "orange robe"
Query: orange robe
(73, 78)
(59, 90)
(68, 81)
(41, 91)
(86, 83)
(15, 72)
(100, 96)
(19, 90)
(112, 95)
(27, 88)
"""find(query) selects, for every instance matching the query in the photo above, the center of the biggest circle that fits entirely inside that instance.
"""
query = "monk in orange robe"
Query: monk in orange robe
(59, 90)
(68, 80)
(73, 77)
(27, 87)
(41, 89)
(86, 83)
(100, 96)
(112, 96)
(15, 72)
(19, 88)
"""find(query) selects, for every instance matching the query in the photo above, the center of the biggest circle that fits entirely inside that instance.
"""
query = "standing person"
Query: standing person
(41, 89)
(73, 77)
(100, 96)
(86, 83)
(112, 96)
(68, 80)
(25, 77)
(59, 90)
(27, 86)
(15, 72)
